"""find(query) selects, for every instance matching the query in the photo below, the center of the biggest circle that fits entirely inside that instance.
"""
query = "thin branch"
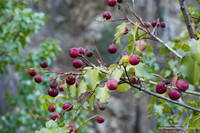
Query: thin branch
(164, 98)
(187, 19)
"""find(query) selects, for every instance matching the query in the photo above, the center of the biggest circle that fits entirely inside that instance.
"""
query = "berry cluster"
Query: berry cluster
(174, 93)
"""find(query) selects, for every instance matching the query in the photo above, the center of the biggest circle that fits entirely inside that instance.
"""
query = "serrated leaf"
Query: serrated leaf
(92, 78)
(123, 87)
(117, 73)
(102, 93)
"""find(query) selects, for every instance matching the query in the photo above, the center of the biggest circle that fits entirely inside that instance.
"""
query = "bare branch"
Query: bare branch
(187, 19)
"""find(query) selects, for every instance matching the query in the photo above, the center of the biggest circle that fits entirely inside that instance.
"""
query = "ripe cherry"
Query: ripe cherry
(77, 63)
(71, 79)
(89, 54)
(38, 79)
(82, 51)
(167, 82)
(44, 64)
(155, 23)
(55, 116)
(107, 15)
(53, 83)
(134, 60)
(53, 92)
(112, 84)
(74, 52)
(51, 108)
(32, 72)
(161, 88)
(112, 3)
(112, 48)
(67, 106)
(174, 94)
(102, 107)
(162, 24)
(182, 85)
(100, 119)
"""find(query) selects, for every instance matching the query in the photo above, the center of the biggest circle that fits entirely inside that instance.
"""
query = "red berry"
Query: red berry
(72, 128)
(61, 87)
(38, 79)
(155, 23)
(82, 51)
(51, 108)
(77, 63)
(100, 119)
(107, 15)
(74, 52)
(102, 107)
(112, 3)
(112, 48)
(55, 116)
(182, 85)
(71, 79)
(53, 83)
(161, 88)
(44, 64)
(32, 72)
(112, 84)
(134, 60)
(162, 24)
(53, 92)
(67, 106)
(126, 30)
(174, 94)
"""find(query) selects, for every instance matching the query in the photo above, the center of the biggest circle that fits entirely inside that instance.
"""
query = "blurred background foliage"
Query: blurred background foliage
(32, 31)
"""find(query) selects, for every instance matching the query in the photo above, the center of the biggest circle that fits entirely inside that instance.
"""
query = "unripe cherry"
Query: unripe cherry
(53, 92)
(71, 79)
(112, 48)
(112, 3)
(182, 85)
(112, 84)
(77, 63)
(72, 128)
(134, 60)
(38, 79)
(51, 108)
(32, 72)
(174, 94)
(74, 52)
(161, 88)
(55, 116)
(67, 106)
(44, 64)
(53, 83)
(100, 119)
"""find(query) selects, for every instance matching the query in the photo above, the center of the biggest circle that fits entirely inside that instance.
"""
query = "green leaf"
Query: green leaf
(116, 73)
(185, 47)
(119, 32)
(141, 70)
(102, 93)
(92, 78)
(51, 124)
(132, 39)
(123, 87)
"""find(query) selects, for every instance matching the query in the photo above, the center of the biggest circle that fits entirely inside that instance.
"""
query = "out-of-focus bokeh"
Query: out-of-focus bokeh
(74, 23)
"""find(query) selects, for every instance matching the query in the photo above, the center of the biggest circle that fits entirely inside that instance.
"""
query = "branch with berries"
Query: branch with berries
(88, 87)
